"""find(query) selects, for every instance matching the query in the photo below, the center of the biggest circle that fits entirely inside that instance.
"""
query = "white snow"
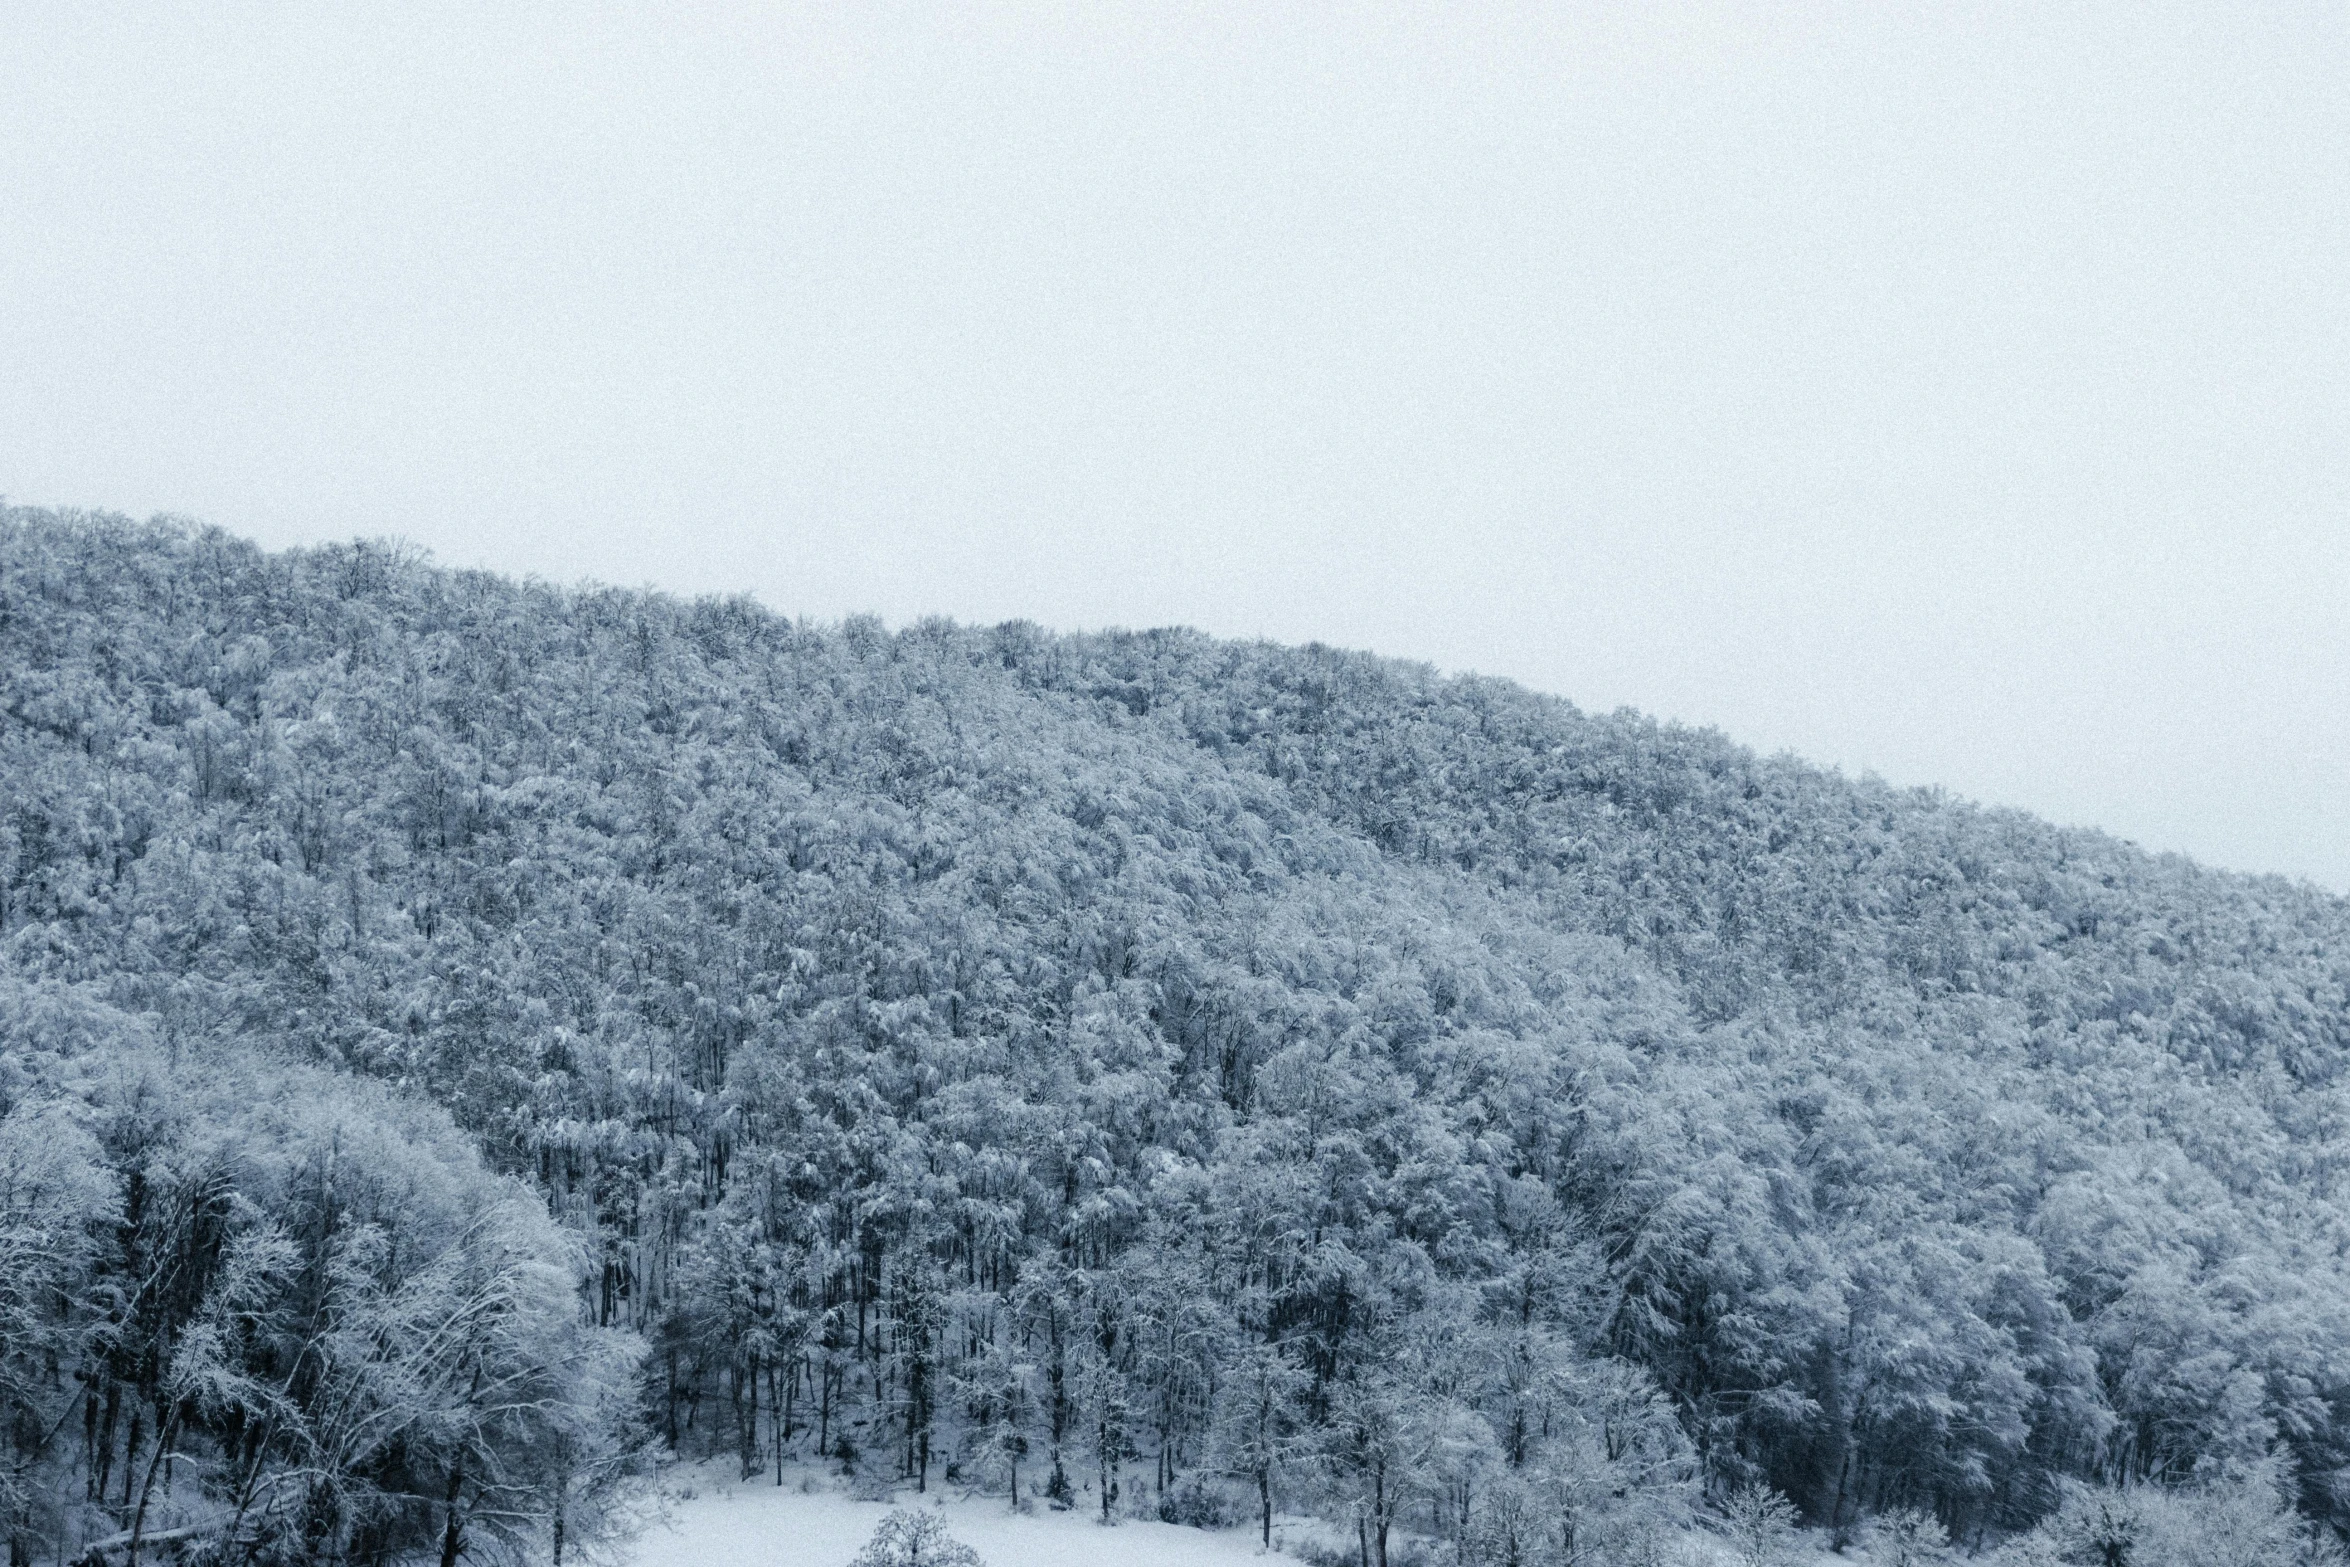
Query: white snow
(714, 1520)
(756, 1523)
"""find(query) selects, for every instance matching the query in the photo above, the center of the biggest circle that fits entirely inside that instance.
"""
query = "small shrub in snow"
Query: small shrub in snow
(1908, 1537)
(909, 1539)
(1200, 1501)
(1759, 1523)
(1320, 1553)
(2244, 1520)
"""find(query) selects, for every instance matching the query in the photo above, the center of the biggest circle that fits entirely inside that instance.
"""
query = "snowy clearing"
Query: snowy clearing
(809, 1521)
(754, 1523)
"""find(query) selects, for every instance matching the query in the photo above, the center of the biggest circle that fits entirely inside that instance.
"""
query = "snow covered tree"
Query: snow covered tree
(55, 1204)
(906, 1538)
(1759, 1525)
(1908, 1537)
(998, 1388)
(1262, 1430)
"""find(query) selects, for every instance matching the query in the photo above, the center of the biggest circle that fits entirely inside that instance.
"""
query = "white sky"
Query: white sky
(1959, 392)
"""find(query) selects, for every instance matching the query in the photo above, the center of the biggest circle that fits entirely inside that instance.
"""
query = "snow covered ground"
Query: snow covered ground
(717, 1521)
(727, 1523)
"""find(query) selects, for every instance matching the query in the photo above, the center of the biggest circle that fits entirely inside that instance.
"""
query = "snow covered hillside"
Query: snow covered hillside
(1141, 1061)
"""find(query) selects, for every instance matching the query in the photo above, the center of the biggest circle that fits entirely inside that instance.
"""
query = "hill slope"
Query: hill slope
(1141, 1052)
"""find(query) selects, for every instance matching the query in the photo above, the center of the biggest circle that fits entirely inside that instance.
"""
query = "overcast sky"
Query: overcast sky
(1956, 392)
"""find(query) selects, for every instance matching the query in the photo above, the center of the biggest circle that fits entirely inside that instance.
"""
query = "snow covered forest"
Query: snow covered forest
(459, 1037)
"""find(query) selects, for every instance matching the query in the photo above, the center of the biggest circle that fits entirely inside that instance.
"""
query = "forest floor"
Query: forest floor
(714, 1520)
(810, 1521)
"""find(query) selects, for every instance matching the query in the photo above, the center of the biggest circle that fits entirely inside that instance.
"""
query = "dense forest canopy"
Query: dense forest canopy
(455, 1029)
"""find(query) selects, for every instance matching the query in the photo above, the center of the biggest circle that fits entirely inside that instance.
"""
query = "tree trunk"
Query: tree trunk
(130, 1449)
(824, 1411)
(102, 1471)
(918, 1414)
(744, 1377)
(779, 1402)
(453, 1534)
(1836, 1526)
(163, 1443)
(1056, 1375)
